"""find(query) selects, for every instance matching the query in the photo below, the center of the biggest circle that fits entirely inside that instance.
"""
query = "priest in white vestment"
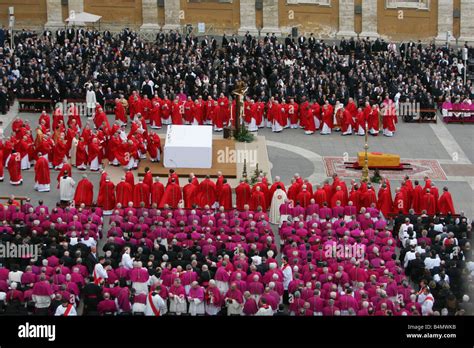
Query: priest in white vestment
(279, 197)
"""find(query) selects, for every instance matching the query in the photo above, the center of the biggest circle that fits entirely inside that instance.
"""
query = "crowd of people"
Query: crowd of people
(296, 82)
(192, 251)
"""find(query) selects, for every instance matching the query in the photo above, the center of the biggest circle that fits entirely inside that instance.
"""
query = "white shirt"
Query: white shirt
(158, 302)
(431, 263)
(15, 276)
(89, 242)
(426, 302)
(287, 276)
(66, 188)
(127, 261)
(408, 257)
(100, 271)
(61, 310)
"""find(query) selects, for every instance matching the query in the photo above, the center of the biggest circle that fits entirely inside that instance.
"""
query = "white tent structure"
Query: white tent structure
(81, 18)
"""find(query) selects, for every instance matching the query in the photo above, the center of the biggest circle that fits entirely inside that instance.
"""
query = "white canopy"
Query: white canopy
(83, 17)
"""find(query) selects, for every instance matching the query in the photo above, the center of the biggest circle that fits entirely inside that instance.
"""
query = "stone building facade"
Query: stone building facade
(391, 19)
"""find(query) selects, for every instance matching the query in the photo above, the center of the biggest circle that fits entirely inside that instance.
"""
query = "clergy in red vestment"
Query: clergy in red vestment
(293, 113)
(73, 113)
(141, 194)
(384, 200)
(100, 118)
(59, 152)
(368, 196)
(119, 111)
(225, 196)
(258, 200)
(84, 192)
(320, 196)
(155, 115)
(338, 196)
(327, 118)
(445, 203)
(173, 176)
(428, 203)
(148, 177)
(189, 194)
(224, 112)
(106, 198)
(198, 112)
(166, 110)
(304, 197)
(13, 163)
(400, 204)
(42, 177)
(177, 112)
(219, 182)
(94, 152)
(374, 120)
(417, 197)
(207, 194)
(242, 194)
(347, 122)
(124, 192)
(146, 107)
(45, 117)
(157, 192)
(130, 178)
(172, 195)
(188, 110)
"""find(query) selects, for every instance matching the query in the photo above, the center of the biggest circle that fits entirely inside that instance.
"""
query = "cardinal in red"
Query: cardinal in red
(445, 203)
(384, 200)
(84, 192)
(172, 195)
(225, 196)
(42, 177)
(327, 118)
(293, 113)
(198, 112)
(428, 203)
(146, 107)
(155, 114)
(373, 120)
(257, 200)
(106, 198)
(141, 193)
(157, 191)
(148, 177)
(45, 117)
(13, 163)
(347, 123)
(400, 203)
(303, 197)
(73, 113)
(177, 112)
(154, 147)
(124, 192)
(242, 194)
(207, 194)
(119, 111)
(188, 110)
(189, 194)
(320, 196)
